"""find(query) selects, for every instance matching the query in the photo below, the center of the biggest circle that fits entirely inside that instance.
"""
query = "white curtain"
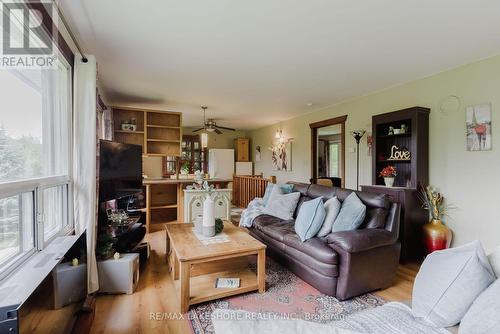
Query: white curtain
(85, 161)
(56, 101)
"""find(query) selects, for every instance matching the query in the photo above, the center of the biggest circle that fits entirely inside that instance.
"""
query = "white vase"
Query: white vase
(389, 181)
(198, 224)
(209, 217)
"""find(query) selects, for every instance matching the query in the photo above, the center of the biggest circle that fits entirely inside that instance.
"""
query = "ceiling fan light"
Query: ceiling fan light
(210, 129)
(204, 139)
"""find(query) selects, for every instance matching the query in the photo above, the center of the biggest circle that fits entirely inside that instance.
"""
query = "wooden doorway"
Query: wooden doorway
(337, 125)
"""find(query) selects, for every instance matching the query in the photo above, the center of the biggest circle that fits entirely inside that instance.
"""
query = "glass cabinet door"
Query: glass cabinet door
(192, 154)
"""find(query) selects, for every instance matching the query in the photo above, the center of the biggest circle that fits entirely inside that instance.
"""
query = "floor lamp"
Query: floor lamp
(357, 134)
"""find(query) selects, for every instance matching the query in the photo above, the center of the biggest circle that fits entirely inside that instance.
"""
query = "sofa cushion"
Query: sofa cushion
(284, 188)
(369, 199)
(271, 243)
(375, 218)
(274, 227)
(279, 230)
(483, 315)
(300, 187)
(494, 259)
(448, 282)
(295, 255)
(317, 190)
(351, 215)
(332, 208)
(310, 218)
(282, 205)
(314, 247)
(267, 193)
(264, 220)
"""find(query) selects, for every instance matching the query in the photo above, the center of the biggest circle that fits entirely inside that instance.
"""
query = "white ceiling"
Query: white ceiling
(258, 62)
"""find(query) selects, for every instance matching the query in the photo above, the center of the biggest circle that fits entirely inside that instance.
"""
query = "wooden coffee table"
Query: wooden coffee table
(195, 266)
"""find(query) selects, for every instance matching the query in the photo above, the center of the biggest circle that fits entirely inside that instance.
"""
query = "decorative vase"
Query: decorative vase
(198, 224)
(389, 181)
(209, 217)
(437, 236)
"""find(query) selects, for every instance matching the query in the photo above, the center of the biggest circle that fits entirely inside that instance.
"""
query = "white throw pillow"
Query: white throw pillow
(448, 282)
(282, 205)
(332, 208)
(494, 259)
(483, 315)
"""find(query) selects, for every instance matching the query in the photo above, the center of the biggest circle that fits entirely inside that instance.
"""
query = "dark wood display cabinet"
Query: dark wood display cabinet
(192, 154)
(408, 151)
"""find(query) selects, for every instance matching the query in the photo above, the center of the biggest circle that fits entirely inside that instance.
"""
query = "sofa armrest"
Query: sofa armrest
(360, 240)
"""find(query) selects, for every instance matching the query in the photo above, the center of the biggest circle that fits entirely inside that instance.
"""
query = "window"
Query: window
(35, 147)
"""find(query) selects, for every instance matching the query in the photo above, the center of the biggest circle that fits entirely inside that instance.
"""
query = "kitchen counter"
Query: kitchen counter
(165, 200)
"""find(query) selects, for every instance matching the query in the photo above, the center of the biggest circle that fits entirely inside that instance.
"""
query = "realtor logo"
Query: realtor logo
(27, 35)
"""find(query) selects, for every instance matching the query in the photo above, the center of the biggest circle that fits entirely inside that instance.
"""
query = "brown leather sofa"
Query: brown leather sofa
(342, 264)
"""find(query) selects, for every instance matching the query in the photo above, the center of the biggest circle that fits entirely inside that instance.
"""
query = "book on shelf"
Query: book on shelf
(225, 283)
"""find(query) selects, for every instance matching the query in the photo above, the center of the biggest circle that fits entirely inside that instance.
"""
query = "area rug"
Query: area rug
(286, 297)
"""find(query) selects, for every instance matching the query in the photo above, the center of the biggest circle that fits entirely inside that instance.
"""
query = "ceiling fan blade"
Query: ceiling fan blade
(224, 128)
(217, 131)
(199, 129)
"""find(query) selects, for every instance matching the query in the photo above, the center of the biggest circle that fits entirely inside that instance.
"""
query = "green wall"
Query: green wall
(469, 180)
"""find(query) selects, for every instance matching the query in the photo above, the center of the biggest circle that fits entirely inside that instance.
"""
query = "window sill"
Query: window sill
(16, 288)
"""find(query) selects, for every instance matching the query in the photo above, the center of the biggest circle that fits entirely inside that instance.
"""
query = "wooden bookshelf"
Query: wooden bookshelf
(158, 132)
(416, 140)
(411, 172)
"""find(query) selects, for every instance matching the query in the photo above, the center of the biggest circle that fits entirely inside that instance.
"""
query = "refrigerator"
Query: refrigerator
(221, 163)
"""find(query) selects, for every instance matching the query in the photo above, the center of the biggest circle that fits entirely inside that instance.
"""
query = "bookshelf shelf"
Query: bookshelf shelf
(158, 132)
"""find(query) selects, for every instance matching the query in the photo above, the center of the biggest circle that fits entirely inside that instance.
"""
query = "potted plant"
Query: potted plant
(185, 169)
(436, 235)
(389, 173)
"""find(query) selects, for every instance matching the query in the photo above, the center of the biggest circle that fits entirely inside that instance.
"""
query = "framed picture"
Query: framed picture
(478, 124)
(257, 154)
(281, 155)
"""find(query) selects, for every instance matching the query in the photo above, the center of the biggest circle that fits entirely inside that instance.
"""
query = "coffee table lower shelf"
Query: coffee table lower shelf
(202, 288)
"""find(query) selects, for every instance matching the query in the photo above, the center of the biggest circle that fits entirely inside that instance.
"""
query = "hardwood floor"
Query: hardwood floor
(147, 310)
(154, 307)
(156, 293)
(38, 316)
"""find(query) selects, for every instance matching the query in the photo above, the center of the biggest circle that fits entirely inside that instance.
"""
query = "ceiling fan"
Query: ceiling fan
(210, 125)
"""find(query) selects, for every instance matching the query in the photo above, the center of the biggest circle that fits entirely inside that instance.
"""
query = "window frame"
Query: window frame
(36, 186)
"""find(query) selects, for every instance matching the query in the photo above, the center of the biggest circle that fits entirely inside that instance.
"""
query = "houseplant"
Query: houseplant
(185, 169)
(389, 173)
(436, 235)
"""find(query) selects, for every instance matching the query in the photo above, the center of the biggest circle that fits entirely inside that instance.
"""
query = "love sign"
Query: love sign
(398, 153)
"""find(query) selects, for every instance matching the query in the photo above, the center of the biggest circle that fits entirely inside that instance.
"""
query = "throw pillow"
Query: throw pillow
(332, 208)
(282, 205)
(482, 317)
(310, 218)
(267, 193)
(284, 188)
(448, 282)
(494, 259)
(351, 215)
